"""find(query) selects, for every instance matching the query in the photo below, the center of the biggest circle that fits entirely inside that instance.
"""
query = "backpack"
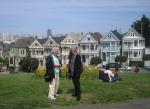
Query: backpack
(106, 77)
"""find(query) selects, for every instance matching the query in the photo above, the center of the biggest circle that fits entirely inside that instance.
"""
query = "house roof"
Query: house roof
(22, 42)
(75, 36)
(138, 35)
(59, 39)
(117, 34)
(42, 41)
(96, 35)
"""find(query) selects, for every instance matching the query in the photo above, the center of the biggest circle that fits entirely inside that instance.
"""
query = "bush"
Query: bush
(64, 70)
(146, 57)
(40, 72)
(136, 63)
(29, 64)
(90, 72)
(12, 69)
(95, 60)
(120, 59)
(34, 63)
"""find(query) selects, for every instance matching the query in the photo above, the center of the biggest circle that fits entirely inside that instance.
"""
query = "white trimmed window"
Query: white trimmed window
(135, 54)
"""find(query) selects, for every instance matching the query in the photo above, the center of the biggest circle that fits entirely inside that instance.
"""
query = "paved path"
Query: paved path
(136, 104)
(4, 72)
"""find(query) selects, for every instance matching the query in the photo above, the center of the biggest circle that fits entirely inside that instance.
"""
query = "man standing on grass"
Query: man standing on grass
(53, 65)
(75, 66)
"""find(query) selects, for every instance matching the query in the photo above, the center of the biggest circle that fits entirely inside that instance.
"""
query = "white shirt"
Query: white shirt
(56, 61)
(110, 74)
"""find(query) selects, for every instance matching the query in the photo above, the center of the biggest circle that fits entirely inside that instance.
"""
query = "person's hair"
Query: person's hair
(74, 48)
(116, 68)
(107, 67)
(70, 54)
(53, 49)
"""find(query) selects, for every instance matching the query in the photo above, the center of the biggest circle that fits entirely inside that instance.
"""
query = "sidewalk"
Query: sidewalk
(7, 72)
(135, 104)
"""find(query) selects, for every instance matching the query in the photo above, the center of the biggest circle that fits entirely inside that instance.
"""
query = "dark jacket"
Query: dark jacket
(77, 65)
(50, 65)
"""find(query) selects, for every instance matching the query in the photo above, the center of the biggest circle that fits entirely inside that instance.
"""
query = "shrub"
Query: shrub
(12, 69)
(34, 63)
(29, 64)
(40, 72)
(146, 57)
(90, 72)
(95, 60)
(64, 70)
(120, 58)
(136, 63)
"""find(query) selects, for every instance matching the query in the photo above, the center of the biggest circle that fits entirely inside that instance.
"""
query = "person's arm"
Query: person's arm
(58, 65)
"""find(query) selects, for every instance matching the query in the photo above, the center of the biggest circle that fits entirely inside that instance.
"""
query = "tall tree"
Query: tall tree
(143, 27)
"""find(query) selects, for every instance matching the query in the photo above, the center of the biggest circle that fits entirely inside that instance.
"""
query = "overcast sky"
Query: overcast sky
(62, 16)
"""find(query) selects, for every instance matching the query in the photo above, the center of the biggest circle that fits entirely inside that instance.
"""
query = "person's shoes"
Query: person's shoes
(78, 98)
(52, 97)
(74, 95)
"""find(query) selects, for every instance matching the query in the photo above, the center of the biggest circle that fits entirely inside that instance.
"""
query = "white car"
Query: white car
(129, 69)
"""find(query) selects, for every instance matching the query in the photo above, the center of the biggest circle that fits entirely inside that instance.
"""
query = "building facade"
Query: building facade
(89, 46)
(110, 47)
(71, 40)
(30, 46)
(133, 45)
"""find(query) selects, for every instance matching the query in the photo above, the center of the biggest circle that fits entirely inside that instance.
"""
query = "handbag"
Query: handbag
(48, 77)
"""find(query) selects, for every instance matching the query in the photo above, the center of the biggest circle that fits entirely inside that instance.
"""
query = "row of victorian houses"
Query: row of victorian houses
(89, 45)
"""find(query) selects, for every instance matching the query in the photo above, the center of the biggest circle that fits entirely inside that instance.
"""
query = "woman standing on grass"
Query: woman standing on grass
(53, 65)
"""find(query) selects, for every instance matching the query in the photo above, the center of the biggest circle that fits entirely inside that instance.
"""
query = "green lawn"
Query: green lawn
(24, 91)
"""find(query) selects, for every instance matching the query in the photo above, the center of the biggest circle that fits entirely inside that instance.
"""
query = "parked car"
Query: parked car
(147, 68)
(113, 65)
(129, 69)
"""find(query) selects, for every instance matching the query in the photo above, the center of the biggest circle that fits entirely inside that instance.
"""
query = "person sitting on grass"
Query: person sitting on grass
(117, 74)
(108, 75)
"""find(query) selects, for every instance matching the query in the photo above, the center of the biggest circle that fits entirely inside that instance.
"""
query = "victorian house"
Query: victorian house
(36, 48)
(19, 50)
(89, 46)
(110, 47)
(133, 45)
(71, 40)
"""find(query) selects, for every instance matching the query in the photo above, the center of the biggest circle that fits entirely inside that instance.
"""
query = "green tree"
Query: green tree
(1, 60)
(95, 60)
(143, 27)
(29, 64)
(34, 63)
(146, 57)
(121, 59)
(6, 61)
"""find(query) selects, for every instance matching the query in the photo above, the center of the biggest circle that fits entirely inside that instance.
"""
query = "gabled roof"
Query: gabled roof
(74, 36)
(59, 39)
(136, 33)
(22, 42)
(96, 35)
(117, 34)
(42, 41)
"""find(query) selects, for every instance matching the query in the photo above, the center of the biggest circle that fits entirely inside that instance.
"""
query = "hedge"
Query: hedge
(138, 63)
